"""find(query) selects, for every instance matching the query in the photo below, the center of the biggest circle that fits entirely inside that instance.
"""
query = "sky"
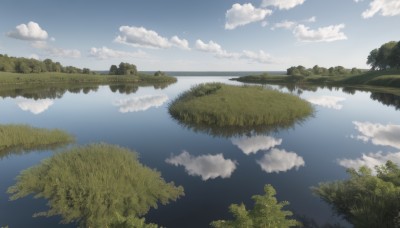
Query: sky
(202, 35)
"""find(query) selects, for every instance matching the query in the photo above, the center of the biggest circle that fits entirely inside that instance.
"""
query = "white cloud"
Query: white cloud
(141, 37)
(280, 161)
(285, 25)
(324, 34)
(107, 53)
(206, 166)
(55, 51)
(370, 160)
(259, 56)
(311, 19)
(34, 106)
(327, 101)
(142, 103)
(240, 15)
(256, 143)
(378, 134)
(31, 31)
(215, 48)
(282, 4)
(180, 43)
(384, 7)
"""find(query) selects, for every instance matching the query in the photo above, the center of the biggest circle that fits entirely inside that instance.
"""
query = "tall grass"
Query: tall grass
(219, 105)
(95, 185)
(19, 138)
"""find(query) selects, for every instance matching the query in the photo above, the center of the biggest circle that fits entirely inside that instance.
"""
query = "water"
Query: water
(216, 171)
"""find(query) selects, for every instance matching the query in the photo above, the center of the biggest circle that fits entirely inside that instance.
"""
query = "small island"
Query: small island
(20, 138)
(219, 105)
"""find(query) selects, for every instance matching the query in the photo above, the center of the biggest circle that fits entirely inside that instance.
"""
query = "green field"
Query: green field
(219, 105)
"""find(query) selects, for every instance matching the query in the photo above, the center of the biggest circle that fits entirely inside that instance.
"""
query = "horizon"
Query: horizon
(206, 36)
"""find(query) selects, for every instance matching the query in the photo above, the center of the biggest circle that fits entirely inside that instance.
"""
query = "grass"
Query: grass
(7, 78)
(218, 106)
(20, 138)
(95, 185)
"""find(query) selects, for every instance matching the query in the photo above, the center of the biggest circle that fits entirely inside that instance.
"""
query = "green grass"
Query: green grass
(220, 106)
(7, 78)
(95, 185)
(21, 138)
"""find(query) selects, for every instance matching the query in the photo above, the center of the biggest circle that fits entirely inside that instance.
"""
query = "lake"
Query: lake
(349, 128)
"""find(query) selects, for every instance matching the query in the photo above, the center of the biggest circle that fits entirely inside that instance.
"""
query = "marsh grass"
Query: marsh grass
(95, 185)
(22, 138)
(219, 106)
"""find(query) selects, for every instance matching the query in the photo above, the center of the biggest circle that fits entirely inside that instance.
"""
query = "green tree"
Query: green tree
(159, 73)
(266, 213)
(384, 54)
(24, 68)
(394, 58)
(365, 200)
(113, 70)
(86, 71)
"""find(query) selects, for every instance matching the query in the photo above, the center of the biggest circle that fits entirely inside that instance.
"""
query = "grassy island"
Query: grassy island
(219, 105)
(19, 138)
(97, 185)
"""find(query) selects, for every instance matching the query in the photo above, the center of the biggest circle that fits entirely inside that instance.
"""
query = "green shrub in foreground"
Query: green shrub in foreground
(220, 105)
(95, 185)
(23, 137)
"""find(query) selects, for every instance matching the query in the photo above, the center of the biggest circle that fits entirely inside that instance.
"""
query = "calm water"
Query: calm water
(349, 129)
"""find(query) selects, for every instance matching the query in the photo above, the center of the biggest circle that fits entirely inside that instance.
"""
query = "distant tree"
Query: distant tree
(24, 68)
(159, 73)
(384, 53)
(267, 213)
(113, 70)
(86, 71)
(127, 69)
(394, 58)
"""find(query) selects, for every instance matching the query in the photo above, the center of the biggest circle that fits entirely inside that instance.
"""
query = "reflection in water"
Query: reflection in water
(327, 101)
(280, 161)
(378, 134)
(142, 103)
(387, 99)
(34, 106)
(370, 160)
(206, 166)
(124, 88)
(256, 143)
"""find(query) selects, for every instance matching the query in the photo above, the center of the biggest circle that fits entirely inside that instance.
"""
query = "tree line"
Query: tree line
(387, 56)
(317, 70)
(26, 66)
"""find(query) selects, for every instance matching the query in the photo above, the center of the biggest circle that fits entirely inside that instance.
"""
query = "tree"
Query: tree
(127, 69)
(384, 53)
(366, 200)
(86, 71)
(267, 213)
(159, 73)
(24, 68)
(113, 70)
(394, 58)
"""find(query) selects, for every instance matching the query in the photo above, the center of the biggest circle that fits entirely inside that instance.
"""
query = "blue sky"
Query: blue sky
(207, 35)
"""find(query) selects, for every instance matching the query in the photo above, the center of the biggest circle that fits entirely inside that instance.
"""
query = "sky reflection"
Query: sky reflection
(141, 103)
(254, 144)
(34, 106)
(277, 160)
(331, 102)
(205, 166)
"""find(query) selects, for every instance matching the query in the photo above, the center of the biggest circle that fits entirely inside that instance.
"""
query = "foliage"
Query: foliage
(14, 138)
(159, 73)
(123, 69)
(316, 70)
(94, 185)
(267, 213)
(366, 200)
(219, 105)
(130, 222)
(387, 56)
(26, 66)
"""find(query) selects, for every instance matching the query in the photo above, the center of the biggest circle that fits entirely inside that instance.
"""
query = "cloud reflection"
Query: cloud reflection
(256, 143)
(280, 161)
(370, 160)
(34, 106)
(327, 101)
(206, 166)
(378, 134)
(141, 103)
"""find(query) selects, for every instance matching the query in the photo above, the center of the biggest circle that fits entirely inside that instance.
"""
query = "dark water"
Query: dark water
(350, 129)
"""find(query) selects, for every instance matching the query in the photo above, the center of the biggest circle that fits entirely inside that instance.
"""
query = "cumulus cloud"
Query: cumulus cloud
(378, 134)
(34, 106)
(142, 103)
(323, 34)
(215, 48)
(327, 101)
(256, 143)
(259, 56)
(107, 53)
(285, 25)
(205, 166)
(180, 43)
(282, 4)
(311, 19)
(31, 31)
(370, 160)
(384, 7)
(240, 15)
(141, 37)
(280, 161)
